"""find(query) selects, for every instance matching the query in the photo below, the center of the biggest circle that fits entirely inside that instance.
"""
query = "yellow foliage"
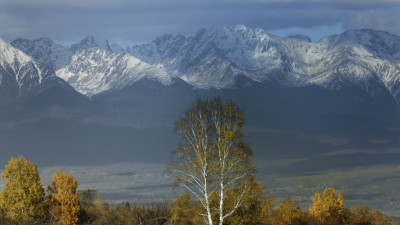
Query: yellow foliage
(213, 160)
(22, 199)
(328, 207)
(266, 211)
(64, 203)
(286, 213)
(184, 212)
(124, 216)
(380, 218)
(253, 202)
(362, 215)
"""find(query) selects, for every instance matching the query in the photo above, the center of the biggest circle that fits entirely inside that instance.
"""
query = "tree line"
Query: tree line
(213, 166)
(24, 201)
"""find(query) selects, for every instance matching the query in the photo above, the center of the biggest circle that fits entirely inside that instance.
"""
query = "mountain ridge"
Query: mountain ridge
(214, 58)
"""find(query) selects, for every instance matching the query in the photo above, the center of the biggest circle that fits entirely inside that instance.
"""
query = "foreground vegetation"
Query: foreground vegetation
(24, 201)
(212, 164)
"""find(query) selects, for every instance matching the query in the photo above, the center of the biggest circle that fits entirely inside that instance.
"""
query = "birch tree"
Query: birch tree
(213, 159)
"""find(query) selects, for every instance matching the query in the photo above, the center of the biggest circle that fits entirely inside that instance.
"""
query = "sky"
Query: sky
(138, 21)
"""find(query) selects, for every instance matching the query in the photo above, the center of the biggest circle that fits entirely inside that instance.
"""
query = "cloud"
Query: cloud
(266, 165)
(335, 141)
(379, 19)
(363, 151)
(143, 20)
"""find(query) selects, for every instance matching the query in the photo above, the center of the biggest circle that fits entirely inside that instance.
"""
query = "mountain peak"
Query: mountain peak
(44, 40)
(240, 27)
(20, 72)
(45, 52)
(380, 43)
(96, 70)
(88, 42)
(9, 54)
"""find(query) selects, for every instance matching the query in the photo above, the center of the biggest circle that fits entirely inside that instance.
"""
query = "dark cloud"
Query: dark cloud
(139, 21)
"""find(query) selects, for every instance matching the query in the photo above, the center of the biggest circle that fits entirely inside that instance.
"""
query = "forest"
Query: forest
(215, 179)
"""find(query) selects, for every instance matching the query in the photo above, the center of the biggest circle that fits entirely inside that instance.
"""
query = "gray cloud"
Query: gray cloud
(363, 151)
(376, 19)
(139, 21)
(335, 141)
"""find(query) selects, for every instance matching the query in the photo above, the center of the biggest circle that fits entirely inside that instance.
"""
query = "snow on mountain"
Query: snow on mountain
(91, 42)
(346, 58)
(367, 59)
(19, 73)
(85, 43)
(215, 58)
(96, 70)
(381, 44)
(45, 51)
(166, 50)
(56, 56)
(91, 66)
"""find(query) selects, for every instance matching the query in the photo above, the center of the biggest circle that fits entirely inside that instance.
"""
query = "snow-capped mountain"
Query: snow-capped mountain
(96, 70)
(57, 56)
(380, 43)
(86, 43)
(91, 42)
(19, 73)
(86, 58)
(366, 59)
(45, 51)
(216, 58)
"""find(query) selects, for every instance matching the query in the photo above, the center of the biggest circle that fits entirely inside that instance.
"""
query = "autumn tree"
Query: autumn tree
(253, 203)
(213, 158)
(184, 212)
(22, 199)
(266, 210)
(287, 213)
(87, 197)
(123, 215)
(63, 200)
(152, 214)
(94, 209)
(361, 215)
(328, 207)
(380, 218)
